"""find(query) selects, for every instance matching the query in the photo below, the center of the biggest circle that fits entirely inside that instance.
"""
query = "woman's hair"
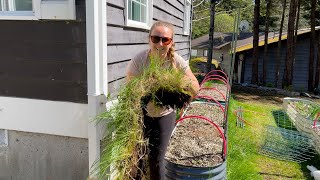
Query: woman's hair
(170, 53)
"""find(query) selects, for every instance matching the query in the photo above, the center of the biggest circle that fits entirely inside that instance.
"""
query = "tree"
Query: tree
(312, 45)
(297, 22)
(254, 78)
(223, 18)
(265, 53)
(288, 74)
(223, 23)
(284, 4)
(316, 81)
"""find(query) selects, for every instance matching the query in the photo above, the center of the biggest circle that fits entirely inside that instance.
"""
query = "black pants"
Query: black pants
(158, 130)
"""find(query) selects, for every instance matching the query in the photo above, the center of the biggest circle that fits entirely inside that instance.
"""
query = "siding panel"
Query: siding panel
(124, 52)
(43, 89)
(160, 15)
(176, 4)
(44, 59)
(75, 72)
(117, 35)
(118, 71)
(115, 16)
(165, 6)
(119, 3)
(300, 71)
(182, 45)
(113, 87)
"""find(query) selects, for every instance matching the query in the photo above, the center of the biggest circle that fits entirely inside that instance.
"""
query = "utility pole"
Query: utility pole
(211, 32)
(234, 45)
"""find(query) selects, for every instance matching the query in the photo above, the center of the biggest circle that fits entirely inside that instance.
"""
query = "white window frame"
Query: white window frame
(56, 10)
(137, 24)
(187, 17)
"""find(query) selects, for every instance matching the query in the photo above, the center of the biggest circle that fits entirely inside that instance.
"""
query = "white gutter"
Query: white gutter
(96, 31)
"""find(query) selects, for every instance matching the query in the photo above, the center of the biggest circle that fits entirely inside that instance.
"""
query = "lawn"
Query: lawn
(244, 161)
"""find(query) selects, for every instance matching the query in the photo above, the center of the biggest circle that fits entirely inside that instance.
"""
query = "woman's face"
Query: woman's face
(160, 41)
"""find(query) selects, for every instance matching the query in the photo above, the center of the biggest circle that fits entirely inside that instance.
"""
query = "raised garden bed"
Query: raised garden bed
(197, 148)
(195, 143)
(300, 112)
(316, 138)
(302, 123)
(216, 91)
(212, 111)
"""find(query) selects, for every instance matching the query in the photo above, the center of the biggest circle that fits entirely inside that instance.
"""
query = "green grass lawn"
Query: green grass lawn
(244, 161)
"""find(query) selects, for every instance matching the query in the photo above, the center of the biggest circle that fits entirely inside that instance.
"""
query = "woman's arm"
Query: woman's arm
(189, 76)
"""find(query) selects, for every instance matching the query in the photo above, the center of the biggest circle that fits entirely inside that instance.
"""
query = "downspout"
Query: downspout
(96, 31)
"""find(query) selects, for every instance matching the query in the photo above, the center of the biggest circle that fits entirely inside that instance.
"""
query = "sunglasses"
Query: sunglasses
(165, 40)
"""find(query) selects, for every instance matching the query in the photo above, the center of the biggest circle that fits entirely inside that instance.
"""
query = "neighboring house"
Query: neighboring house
(59, 60)
(243, 68)
(221, 47)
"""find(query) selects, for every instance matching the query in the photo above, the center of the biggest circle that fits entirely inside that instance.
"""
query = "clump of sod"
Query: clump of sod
(124, 146)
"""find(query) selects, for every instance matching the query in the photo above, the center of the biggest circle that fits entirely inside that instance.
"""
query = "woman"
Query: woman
(160, 121)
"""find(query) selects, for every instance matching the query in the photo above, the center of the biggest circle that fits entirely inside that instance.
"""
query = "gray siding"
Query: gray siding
(44, 59)
(300, 71)
(125, 42)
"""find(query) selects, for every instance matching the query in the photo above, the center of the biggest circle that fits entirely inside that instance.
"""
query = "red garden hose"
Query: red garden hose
(228, 86)
(315, 121)
(216, 71)
(212, 99)
(235, 113)
(213, 76)
(215, 89)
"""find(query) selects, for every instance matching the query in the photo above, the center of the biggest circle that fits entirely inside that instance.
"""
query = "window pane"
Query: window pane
(143, 14)
(4, 5)
(136, 11)
(129, 9)
(23, 5)
(143, 2)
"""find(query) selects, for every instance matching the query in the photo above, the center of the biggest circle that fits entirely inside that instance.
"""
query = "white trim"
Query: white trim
(137, 24)
(187, 18)
(96, 28)
(23, 18)
(56, 10)
(42, 116)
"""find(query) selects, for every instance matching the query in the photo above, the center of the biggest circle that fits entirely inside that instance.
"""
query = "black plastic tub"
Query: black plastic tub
(179, 172)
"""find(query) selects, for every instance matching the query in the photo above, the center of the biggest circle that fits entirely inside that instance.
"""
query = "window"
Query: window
(139, 13)
(37, 9)
(16, 5)
(187, 17)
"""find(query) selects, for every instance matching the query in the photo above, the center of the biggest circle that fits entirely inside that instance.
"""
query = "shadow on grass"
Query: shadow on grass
(276, 175)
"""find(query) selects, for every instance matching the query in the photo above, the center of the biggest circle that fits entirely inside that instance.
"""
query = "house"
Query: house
(243, 67)
(221, 47)
(59, 60)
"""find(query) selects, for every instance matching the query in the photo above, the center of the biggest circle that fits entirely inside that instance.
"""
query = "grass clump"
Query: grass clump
(124, 147)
